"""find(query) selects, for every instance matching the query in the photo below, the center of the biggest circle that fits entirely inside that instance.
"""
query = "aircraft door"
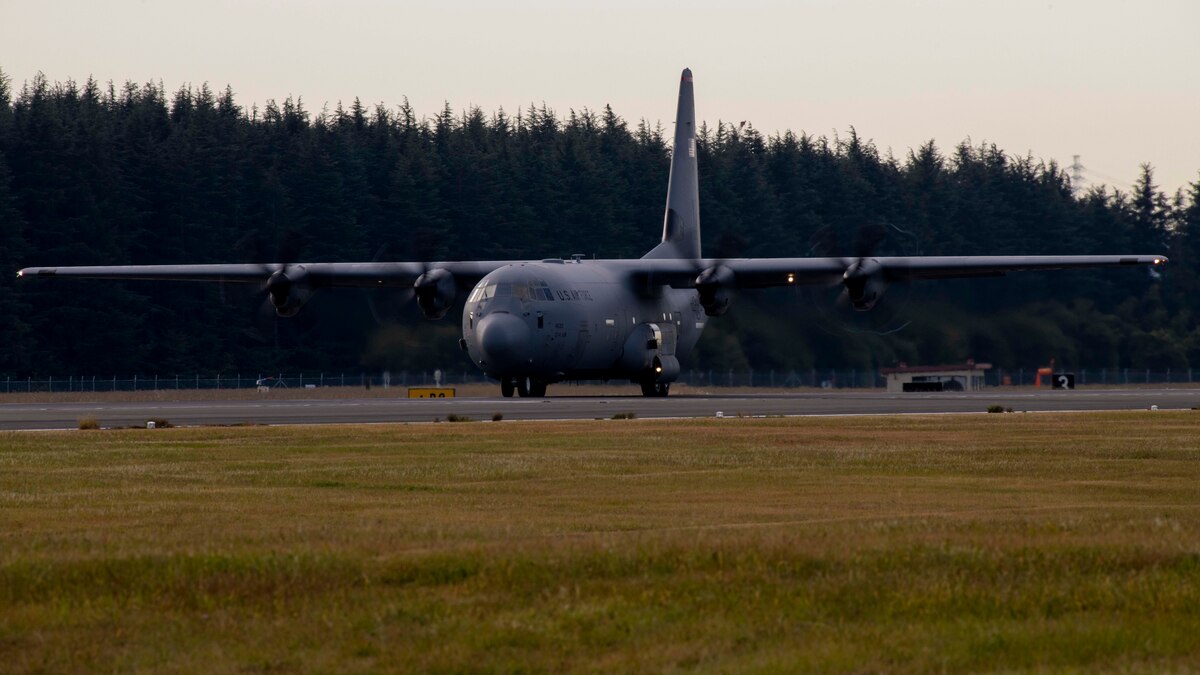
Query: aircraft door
(583, 337)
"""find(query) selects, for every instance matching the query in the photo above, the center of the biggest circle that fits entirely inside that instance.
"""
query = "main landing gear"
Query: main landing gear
(526, 387)
(531, 387)
(656, 389)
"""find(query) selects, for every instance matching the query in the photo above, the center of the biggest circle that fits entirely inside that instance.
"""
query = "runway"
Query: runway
(15, 416)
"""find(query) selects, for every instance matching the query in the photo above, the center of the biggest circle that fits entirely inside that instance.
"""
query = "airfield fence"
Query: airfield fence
(810, 378)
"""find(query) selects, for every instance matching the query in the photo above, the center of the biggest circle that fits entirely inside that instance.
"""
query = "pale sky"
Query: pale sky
(1114, 81)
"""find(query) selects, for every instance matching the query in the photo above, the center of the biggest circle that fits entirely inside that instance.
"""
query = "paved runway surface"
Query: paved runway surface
(382, 410)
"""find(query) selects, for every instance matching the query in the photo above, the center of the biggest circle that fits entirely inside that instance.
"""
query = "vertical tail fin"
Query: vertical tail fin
(681, 223)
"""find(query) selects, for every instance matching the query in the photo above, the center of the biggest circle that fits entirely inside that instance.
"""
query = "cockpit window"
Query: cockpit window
(538, 290)
(534, 290)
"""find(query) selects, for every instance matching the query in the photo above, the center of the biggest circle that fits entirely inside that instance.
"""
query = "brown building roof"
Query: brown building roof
(905, 368)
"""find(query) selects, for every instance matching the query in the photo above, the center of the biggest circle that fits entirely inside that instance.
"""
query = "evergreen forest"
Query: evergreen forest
(133, 174)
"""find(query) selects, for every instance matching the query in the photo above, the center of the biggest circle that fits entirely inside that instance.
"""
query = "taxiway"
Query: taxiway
(390, 410)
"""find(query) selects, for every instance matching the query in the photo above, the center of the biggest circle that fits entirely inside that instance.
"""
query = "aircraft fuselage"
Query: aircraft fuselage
(574, 319)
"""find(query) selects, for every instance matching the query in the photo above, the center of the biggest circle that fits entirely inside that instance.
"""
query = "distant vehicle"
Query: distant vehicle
(530, 323)
(265, 383)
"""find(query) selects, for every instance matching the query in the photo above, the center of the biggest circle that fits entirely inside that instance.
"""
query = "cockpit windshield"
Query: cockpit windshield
(533, 290)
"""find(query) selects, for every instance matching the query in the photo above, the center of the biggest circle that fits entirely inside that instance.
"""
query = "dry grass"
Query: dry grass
(990, 542)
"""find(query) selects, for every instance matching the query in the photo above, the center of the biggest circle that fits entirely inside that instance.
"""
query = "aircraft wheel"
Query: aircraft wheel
(530, 387)
(507, 387)
(655, 389)
(523, 387)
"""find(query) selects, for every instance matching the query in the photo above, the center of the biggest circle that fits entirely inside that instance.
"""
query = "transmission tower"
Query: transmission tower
(1076, 174)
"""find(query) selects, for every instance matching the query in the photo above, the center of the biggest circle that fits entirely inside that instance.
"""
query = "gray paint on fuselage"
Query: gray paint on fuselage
(587, 318)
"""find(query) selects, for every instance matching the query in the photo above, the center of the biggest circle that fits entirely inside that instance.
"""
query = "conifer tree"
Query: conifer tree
(93, 174)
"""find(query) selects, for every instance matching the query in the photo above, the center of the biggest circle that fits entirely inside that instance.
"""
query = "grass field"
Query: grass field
(988, 542)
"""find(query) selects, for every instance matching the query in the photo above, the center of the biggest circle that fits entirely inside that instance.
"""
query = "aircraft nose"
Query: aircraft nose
(504, 341)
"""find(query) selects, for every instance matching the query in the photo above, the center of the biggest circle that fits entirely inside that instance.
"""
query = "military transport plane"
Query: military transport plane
(530, 323)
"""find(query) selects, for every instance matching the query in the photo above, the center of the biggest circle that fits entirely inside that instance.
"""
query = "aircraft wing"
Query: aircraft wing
(767, 272)
(318, 275)
(679, 273)
(760, 273)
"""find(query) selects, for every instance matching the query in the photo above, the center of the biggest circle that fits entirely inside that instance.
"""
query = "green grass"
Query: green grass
(906, 544)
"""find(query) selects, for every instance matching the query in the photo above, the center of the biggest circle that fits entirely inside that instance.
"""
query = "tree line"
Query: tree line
(134, 174)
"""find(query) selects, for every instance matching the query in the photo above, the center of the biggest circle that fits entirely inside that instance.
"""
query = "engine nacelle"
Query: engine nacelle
(715, 286)
(864, 284)
(435, 293)
(288, 290)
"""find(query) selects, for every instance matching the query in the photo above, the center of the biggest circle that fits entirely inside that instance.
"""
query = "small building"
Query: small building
(956, 377)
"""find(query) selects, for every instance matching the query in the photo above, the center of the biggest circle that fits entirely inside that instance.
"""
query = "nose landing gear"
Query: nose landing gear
(530, 387)
(525, 387)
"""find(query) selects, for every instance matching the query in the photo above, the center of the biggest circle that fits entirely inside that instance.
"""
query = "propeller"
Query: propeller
(434, 289)
(861, 285)
(287, 290)
(715, 280)
(861, 282)
(715, 285)
(286, 287)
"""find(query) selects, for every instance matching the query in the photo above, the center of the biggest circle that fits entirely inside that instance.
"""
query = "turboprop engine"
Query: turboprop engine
(435, 293)
(864, 284)
(715, 286)
(288, 289)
